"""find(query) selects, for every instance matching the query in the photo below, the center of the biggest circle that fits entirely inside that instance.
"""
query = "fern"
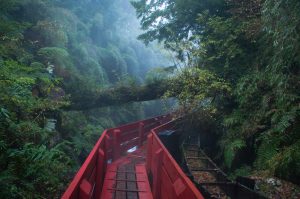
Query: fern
(234, 119)
(231, 149)
(46, 166)
(286, 163)
(266, 151)
(242, 171)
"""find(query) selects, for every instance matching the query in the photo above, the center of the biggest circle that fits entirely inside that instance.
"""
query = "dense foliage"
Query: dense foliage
(250, 49)
(238, 79)
(53, 54)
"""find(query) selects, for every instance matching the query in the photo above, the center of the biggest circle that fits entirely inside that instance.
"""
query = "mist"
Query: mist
(55, 53)
(69, 69)
(101, 51)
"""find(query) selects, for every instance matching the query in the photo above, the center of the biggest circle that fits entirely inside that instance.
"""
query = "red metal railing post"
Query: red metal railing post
(149, 152)
(85, 190)
(157, 159)
(100, 172)
(107, 147)
(117, 143)
(141, 133)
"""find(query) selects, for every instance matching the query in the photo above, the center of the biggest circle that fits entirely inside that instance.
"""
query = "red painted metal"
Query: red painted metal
(169, 181)
(156, 172)
(99, 175)
(132, 183)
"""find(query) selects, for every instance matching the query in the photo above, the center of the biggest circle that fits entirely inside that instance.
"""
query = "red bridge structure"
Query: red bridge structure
(131, 162)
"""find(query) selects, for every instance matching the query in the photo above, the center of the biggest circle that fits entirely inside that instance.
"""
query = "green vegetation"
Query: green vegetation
(30, 159)
(54, 54)
(243, 64)
(63, 63)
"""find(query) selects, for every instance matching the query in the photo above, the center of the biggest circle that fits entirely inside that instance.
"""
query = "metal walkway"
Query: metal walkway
(127, 178)
(210, 179)
(130, 162)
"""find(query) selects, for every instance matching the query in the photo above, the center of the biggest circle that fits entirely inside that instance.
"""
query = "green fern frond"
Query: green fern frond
(231, 149)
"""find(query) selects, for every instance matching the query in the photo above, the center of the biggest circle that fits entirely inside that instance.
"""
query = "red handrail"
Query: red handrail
(168, 179)
(114, 142)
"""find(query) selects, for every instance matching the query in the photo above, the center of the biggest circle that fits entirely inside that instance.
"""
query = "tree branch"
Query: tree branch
(118, 95)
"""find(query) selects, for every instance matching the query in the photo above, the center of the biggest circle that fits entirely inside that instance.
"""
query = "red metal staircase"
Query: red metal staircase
(130, 162)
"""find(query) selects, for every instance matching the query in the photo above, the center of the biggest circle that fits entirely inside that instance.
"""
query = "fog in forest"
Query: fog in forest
(69, 69)
(65, 51)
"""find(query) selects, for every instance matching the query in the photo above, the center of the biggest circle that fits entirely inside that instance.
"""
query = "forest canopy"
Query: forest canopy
(250, 50)
(54, 54)
(68, 70)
